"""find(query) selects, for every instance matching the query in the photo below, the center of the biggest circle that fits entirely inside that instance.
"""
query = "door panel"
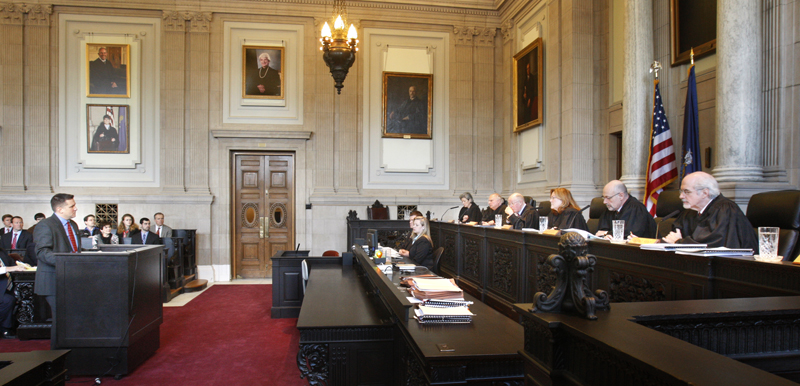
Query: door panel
(263, 218)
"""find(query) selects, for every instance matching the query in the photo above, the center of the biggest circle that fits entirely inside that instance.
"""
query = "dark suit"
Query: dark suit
(23, 240)
(51, 238)
(152, 238)
(7, 299)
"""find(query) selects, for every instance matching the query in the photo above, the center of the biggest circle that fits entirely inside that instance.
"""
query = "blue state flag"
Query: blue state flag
(690, 161)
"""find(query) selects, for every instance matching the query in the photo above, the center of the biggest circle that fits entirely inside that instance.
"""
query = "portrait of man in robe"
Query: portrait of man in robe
(108, 70)
(262, 76)
(528, 97)
(107, 129)
(407, 105)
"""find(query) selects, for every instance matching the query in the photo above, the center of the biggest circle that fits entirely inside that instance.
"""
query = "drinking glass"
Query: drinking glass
(619, 230)
(768, 243)
(542, 223)
(498, 220)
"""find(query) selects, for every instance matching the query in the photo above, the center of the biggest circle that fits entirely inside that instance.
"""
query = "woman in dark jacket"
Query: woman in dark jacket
(471, 212)
(564, 211)
(421, 250)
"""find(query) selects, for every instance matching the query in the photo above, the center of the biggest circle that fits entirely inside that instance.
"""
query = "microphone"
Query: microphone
(579, 214)
(297, 249)
(584, 208)
(671, 215)
(448, 209)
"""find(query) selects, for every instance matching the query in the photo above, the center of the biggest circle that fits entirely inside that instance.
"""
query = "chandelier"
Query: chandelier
(339, 47)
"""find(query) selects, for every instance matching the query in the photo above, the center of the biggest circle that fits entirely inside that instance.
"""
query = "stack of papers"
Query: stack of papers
(721, 251)
(435, 288)
(448, 315)
(671, 247)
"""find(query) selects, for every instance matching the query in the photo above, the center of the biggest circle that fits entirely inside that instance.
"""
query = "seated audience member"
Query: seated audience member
(105, 236)
(520, 214)
(421, 251)
(409, 237)
(17, 238)
(160, 229)
(7, 299)
(6, 224)
(564, 211)
(623, 206)
(143, 235)
(127, 226)
(470, 212)
(36, 218)
(711, 218)
(497, 205)
(90, 229)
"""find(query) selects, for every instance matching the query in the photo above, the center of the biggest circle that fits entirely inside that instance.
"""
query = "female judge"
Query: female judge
(421, 250)
(470, 212)
(127, 226)
(564, 211)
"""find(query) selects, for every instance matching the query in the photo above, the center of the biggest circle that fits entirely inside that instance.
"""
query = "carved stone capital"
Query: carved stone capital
(173, 21)
(38, 14)
(485, 36)
(507, 29)
(199, 21)
(11, 13)
(464, 34)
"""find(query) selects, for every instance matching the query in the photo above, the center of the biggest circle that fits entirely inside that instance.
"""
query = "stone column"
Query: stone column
(197, 97)
(37, 98)
(462, 90)
(738, 139)
(172, 101)
(483, 118)
(637, 99)
(12, 97)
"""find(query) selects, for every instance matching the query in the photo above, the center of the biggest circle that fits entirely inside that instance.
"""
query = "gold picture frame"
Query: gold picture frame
(693, 25)
(108, 70)
(260, 81)
(528, 87)
(407, 105)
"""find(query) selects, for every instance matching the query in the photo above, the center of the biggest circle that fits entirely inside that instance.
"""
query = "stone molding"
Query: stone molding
(469, 35)
(31, 14)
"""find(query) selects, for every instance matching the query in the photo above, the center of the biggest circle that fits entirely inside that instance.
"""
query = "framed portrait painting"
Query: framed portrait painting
(693, 25)
(108, 70)
(528, 95)
(107, 129)
(407, 105)
(262, 72)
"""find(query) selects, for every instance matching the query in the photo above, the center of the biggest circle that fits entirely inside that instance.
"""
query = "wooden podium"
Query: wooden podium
(109, 307)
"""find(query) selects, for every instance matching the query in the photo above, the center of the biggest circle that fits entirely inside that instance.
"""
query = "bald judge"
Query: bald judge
(623, 206)
(710, 218)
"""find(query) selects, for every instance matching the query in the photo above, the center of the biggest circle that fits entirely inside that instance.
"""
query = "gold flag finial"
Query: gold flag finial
(655, 67)
(691, 55)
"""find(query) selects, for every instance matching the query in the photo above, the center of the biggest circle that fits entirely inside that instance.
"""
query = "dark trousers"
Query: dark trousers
(7, 302)
(51, 300)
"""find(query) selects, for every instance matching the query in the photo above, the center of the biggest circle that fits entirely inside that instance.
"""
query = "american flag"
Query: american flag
(661, 168)
(110, 113)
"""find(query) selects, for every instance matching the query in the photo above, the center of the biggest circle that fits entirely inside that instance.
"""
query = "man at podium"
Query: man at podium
(55, 234)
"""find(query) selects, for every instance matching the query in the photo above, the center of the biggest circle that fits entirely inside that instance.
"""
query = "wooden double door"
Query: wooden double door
(263, 206)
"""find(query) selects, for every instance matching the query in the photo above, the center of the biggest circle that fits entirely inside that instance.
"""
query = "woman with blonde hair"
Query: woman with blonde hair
(127, 226)
(421, 250)
(564, 211)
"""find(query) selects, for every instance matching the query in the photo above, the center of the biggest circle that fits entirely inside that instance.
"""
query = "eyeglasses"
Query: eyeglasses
(611, 196)
(688, 192)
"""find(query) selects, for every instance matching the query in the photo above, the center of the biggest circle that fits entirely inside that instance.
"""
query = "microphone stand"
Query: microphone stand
(448, 209)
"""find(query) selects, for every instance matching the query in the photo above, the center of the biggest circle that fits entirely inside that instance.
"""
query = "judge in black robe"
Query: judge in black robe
(105, 138)
(564, 212)
(710, 218)
(497, 205)
(470, 212)
(623, 206)
(521, 215)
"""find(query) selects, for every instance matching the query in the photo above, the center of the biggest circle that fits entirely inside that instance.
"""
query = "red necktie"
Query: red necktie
(72, 238)
(158, 231)
(14, 242)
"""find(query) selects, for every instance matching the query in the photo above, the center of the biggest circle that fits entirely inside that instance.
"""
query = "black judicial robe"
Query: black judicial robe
(474, 213)
(723, 224)
(637, 219)
(488, 213)
(421, 252)
(529, 218)
(569, 218)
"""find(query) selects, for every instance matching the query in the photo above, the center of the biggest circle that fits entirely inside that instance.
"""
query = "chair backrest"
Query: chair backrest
(304, 273)
(668, 202)
(437, 259)
(529, 201)
(544, 208)
(330, 253)
(596, 210)
(377, 211)
(778, 209)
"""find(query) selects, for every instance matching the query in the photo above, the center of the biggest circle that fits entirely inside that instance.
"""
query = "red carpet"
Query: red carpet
(223, 337)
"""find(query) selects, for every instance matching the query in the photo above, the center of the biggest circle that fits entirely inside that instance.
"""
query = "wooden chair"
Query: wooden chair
(377, 211)
(437, 260)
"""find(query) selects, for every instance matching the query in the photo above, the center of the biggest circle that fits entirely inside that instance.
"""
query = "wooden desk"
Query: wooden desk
(287, 281)
(33, 368)
(353, 330)
(635, 344)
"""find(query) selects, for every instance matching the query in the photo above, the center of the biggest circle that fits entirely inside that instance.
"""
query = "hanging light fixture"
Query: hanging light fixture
(339, 47)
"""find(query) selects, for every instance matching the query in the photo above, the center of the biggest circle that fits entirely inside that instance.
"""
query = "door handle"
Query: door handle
(266, 227)
(261, 227)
